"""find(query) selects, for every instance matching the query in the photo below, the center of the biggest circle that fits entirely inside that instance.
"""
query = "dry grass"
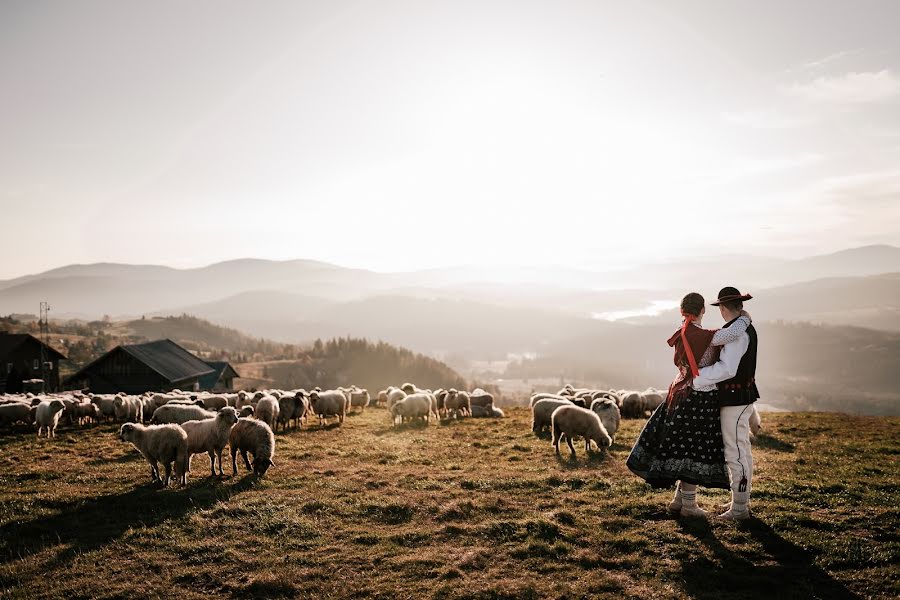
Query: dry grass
(475, 509)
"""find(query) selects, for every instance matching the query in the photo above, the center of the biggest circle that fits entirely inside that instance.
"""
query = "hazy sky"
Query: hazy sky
(400, 135)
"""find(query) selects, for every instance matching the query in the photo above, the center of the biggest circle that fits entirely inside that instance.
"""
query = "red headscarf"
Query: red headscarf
(690, 344)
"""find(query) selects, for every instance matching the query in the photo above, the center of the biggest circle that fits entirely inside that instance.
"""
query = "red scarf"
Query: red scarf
(686, 357)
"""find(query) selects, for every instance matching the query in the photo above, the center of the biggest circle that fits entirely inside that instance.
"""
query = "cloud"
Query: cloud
(850, 88)
(814, 65)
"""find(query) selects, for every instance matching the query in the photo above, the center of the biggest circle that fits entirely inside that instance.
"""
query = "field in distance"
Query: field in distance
(473, 509)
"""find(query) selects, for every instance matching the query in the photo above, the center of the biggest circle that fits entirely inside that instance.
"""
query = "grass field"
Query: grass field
(475, 509)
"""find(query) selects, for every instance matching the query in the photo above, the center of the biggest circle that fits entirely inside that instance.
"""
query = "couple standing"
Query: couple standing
(701, 434)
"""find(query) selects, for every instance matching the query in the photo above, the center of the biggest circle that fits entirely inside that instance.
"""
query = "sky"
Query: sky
(405, 135)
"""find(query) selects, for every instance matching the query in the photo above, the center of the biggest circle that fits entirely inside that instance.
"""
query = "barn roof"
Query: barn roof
(220, 368)
(172, 362)
(11, 341)
(168, 359)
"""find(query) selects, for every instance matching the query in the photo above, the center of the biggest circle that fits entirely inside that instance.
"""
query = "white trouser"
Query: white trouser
(736, 435)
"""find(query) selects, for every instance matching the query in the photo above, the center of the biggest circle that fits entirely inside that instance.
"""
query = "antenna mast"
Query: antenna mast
(45, 343)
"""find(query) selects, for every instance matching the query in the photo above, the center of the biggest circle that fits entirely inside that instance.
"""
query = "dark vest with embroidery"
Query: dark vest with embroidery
(741, 389)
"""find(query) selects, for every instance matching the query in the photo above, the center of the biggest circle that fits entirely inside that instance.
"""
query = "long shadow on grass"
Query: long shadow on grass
(90, 524)
(771, 443)
(733, 576)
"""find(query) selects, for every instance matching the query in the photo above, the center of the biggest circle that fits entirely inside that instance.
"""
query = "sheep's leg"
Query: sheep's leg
(219, 454)
(233, 461)
(212, 463)
(168, 467)
(246, 460)
(154, 471)
(556, 437)
(587, 445)
(569, 442)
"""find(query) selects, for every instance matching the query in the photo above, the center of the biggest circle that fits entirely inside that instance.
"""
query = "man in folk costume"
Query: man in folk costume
(734, 374)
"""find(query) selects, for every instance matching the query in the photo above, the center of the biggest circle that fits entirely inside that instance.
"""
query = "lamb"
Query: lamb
(14, 412)
(255, 437)
(572, 420)
(414, 406)
(542, 413)
(180, 413)
(329, 404)
(246, 411)
(47, 416)
(128, 409)
(381, 399)
(164, 444)
(458, 403)
(609, 414)
(210, 436)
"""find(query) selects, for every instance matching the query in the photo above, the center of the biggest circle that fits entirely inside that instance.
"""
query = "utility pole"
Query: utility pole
(45, 342)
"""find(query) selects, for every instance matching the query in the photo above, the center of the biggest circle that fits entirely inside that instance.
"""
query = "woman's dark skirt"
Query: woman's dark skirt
(682, 445)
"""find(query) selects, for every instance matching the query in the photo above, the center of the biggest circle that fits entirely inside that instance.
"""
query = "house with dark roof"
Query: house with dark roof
(221, 379)
(21, 360)
(158, 366)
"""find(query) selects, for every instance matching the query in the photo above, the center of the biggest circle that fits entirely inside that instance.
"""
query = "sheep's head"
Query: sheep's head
(261, 465)
(229, 415)
(246, 411)
(126, 432)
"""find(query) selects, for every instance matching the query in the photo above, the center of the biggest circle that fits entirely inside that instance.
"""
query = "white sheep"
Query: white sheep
(106, 404)
(267, 410)
(13, 412)
(128, 409)
(457, 403)
(542, 413)
(210, 436)
(632, 405)
(180, 413)
(166, 444)
(359, 398)
(394, 396)
(331, 403)
(47, 416)
(255, 437)
(214, 402)
(609, 414)
(414, 406)
(573, 420)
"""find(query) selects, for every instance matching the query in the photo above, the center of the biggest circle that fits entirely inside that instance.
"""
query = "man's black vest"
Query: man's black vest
(741, 389)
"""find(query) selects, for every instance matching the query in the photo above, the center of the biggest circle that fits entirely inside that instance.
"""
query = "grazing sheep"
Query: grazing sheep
(572, 420)
(359, 398)
(210, 436)
(414, 406)
(458, 403)
(180, 413)
(632, 405)
(14, 412)
(609, 414)
(267, 410)
(331, 403)
(246, 412)
(394, 396)
(482, 399)
(214, 402)
(128, 409)
(547, 396)
(755, 423)
(47, 416)
(164, 444)
(542, 413)
(107, 406)
(255, 437)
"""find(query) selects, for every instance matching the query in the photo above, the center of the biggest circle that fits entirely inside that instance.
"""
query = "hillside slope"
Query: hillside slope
(476, 510)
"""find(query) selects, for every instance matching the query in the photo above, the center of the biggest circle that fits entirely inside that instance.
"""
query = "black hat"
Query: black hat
(730, 294)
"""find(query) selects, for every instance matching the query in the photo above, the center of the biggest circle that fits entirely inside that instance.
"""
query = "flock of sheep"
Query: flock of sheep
(169, 428)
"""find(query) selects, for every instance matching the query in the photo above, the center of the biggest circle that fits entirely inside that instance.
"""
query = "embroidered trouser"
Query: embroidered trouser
(736, 437)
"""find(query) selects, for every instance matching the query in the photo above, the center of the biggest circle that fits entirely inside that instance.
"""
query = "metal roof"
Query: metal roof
(170, 360)
(11, 341)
